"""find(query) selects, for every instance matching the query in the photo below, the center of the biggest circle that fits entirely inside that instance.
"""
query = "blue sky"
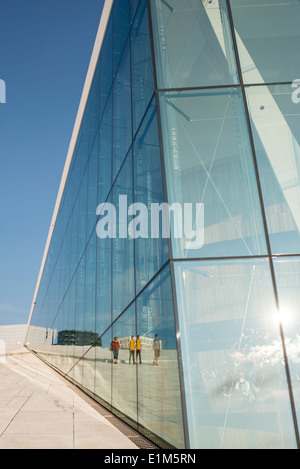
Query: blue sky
(45, 48)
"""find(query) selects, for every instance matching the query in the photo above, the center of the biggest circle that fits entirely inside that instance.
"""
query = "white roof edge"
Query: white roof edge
(84, 97)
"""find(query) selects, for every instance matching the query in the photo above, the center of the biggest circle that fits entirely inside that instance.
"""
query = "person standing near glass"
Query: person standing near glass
(138, 349)
(115, 347)
(156, 348)
(131, 350)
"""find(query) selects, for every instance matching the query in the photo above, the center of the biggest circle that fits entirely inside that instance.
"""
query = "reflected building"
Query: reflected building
(75, 337)
(189, 102)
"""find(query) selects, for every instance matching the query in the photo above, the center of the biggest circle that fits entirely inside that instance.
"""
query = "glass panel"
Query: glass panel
(234, 374)
(79, 319)
(106, 60)
(121, 29)
(88, 364)
(122, 130)
(92, 188)
(123, 244)
(85, 142)
(71, 322)
(133, 7)
(103, 368)
(267, 35)
(75, 227)
(159, 400)
(141, 65)
(209, 161)
(104, 284)
(60, 350)
(66, 271)
(124, 386)
(105, 153)
(275, 121)
(150, 253)
(78, 168)
(193, 43)
(95, 105)
(288, 285)
(90, 292)
(50, 351)
(82, 222)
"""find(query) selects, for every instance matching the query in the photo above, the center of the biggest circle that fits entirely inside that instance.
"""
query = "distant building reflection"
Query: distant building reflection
(77, 337)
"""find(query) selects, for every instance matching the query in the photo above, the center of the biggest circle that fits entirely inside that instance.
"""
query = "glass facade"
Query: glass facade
(190, 106)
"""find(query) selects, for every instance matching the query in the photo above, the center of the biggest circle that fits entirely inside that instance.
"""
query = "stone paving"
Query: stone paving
(40, 410)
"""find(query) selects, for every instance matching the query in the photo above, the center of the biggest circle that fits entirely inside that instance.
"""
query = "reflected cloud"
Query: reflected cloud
(263, 355)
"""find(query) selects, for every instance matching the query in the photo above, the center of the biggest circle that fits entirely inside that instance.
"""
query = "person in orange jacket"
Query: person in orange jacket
(138, 349)
(131, 350)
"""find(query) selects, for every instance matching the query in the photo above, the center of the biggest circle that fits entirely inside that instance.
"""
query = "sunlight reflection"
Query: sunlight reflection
(284, 316)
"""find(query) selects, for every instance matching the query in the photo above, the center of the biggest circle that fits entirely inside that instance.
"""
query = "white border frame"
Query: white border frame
(82, 105)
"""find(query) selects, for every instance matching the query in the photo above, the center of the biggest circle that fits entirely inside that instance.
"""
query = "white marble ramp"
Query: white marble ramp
(38, 410)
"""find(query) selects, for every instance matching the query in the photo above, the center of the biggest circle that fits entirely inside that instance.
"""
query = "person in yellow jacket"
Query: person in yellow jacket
(131, 350)
(138, 348)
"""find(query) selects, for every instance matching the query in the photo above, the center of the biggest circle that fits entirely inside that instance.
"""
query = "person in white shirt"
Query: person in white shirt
(156, 348)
